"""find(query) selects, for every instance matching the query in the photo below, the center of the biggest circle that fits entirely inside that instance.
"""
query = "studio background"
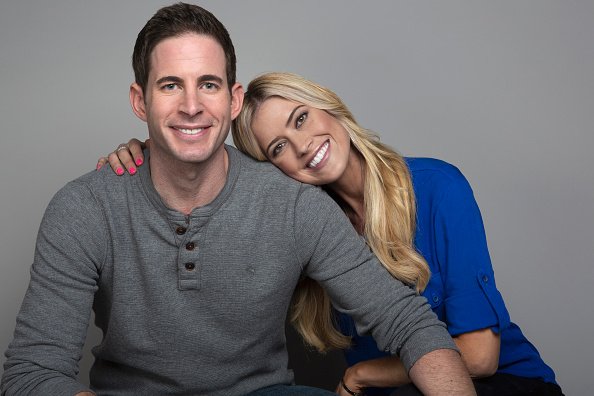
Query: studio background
(503, 90)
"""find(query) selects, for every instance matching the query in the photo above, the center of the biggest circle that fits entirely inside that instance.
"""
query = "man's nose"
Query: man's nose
(191, 103)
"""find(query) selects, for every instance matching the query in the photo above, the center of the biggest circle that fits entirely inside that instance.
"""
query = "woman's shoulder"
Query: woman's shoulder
(423, 168)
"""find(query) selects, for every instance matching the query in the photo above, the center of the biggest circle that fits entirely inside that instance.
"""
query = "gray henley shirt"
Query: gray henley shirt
(195, 304)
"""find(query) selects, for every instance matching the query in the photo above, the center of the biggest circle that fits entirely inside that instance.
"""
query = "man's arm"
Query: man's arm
(400, 320)
(441, 372)
(51, 326)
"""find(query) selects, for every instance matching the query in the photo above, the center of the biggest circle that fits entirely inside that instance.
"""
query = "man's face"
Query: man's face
(187, 104)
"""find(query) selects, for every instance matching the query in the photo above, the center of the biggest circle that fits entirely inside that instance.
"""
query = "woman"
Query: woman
(403, 207)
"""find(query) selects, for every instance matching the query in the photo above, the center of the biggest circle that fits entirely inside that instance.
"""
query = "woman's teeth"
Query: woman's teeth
(314, 162)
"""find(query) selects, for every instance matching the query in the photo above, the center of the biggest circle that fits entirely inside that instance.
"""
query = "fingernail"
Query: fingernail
(119, 171)
(132, 170)
(99, 166)
(139, 161)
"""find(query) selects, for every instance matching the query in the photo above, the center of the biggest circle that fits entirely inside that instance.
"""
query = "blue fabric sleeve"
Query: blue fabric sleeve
(472, 301)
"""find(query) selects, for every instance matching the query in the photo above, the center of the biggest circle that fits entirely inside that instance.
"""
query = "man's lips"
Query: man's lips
(190, 130)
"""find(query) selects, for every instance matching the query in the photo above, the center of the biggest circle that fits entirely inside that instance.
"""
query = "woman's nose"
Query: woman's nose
(304, 145)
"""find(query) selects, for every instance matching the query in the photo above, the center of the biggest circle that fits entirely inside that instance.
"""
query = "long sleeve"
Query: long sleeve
(51, 326)
(400, 321)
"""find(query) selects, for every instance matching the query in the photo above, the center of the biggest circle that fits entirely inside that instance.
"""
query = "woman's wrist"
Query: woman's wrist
(350, 391)
(352, 381)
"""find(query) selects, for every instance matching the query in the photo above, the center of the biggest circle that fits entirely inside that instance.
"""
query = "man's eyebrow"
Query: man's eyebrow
(210, 77)
(201, 79)
(169, 79)
(291, 115)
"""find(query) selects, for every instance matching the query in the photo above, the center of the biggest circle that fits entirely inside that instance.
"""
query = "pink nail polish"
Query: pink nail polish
(99, 166)
(139, 161)
(119, 171)
(132, 170)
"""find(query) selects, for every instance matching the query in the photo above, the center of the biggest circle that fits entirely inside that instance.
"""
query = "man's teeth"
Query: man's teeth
(314, 162)
(190, 131)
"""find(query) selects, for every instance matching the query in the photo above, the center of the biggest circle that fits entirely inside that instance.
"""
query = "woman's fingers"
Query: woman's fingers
(126, 157)
(135, 148)
(121, 160)
(100, 162)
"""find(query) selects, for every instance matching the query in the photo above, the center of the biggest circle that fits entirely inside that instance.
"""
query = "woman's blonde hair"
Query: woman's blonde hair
(390, 210)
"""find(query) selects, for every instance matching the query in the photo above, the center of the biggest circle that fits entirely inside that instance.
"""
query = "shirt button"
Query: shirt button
(435, 298)
(190, 266)
(190, 246)
(180, 230)
(485, 278)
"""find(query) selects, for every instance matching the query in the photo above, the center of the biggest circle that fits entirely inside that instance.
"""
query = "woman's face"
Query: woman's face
(306, 143)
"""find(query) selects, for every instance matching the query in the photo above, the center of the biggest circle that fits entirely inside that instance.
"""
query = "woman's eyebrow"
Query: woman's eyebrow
(276, 139)
(291, 115)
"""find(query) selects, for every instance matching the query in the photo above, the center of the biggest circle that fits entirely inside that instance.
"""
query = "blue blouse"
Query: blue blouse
(462, 292)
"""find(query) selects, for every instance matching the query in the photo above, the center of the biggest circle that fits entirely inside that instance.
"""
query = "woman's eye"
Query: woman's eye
(277, 149)
(300, 120)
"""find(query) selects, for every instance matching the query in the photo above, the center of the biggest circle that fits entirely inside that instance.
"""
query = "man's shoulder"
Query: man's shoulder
(263, 178)
(99, 184)
(261, 171)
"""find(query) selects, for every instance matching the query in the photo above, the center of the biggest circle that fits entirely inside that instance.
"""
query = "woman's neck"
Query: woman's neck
(349, 190)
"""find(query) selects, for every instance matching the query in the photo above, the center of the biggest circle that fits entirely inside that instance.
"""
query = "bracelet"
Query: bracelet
(350, 392)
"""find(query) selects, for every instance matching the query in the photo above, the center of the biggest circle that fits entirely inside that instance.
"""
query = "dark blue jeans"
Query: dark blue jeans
(290, 390)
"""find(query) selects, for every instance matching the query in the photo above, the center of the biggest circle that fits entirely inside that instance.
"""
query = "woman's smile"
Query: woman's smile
(319, 155)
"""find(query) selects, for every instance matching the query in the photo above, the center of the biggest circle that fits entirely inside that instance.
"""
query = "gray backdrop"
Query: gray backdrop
(504, 90)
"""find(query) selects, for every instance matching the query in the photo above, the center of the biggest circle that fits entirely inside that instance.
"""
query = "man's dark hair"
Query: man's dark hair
(174, 21)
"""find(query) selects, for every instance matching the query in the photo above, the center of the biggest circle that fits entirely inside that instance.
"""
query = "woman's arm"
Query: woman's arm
(390, 372)
(480, 352)
(384, 372)
(125, 157)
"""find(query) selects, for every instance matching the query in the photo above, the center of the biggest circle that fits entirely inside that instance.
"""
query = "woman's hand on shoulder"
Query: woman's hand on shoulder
(126, 157)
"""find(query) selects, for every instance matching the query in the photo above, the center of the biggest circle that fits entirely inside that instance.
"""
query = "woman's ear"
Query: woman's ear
(137, 101)
(236, 100)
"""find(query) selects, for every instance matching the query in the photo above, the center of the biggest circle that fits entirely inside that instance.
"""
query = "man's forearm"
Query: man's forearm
(442, 372)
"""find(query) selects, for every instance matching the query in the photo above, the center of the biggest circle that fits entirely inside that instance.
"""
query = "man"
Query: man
(190, 267)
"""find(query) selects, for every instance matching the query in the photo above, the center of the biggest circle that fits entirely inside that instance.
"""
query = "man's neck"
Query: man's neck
(186, 186)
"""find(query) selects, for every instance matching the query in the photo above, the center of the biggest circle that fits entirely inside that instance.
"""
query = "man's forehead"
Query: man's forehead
(188, 52)
(189, 45)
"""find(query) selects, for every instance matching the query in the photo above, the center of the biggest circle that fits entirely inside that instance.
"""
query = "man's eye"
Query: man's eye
(209, 86)
(300, 120)
(169, 87)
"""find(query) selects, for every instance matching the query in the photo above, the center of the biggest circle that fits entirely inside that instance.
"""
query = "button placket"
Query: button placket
(187, 261)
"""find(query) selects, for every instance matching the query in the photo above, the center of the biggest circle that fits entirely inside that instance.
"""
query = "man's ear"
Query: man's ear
(137, 101)
(236, 100)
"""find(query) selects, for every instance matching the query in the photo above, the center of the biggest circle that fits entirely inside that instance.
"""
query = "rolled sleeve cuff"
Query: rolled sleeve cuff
(483, 308)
